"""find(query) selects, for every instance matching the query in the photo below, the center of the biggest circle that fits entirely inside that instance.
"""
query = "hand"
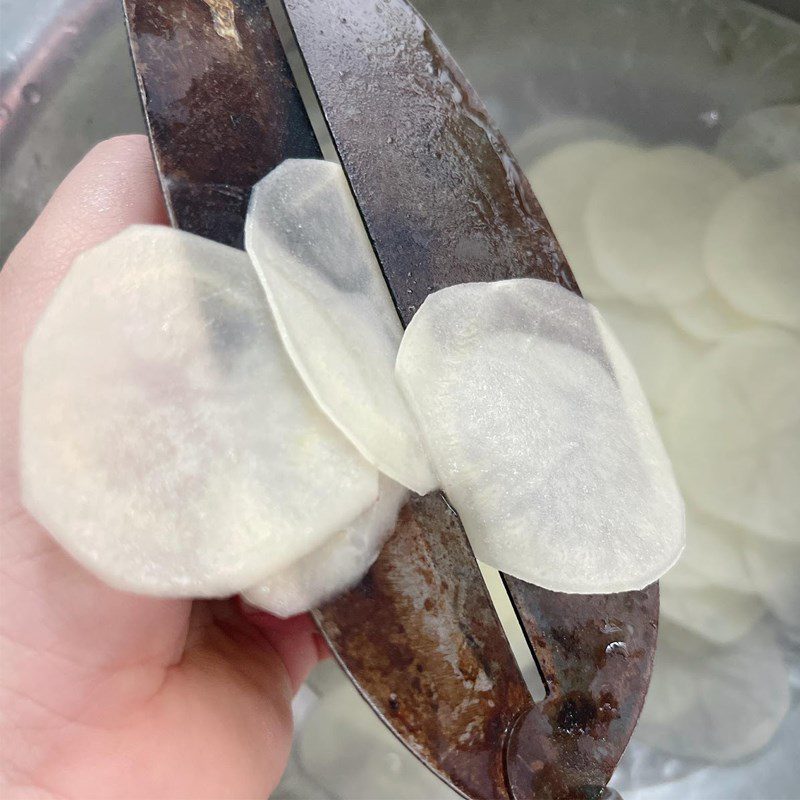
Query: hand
(105, 694)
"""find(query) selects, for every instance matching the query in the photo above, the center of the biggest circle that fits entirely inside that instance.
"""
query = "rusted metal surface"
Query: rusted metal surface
(595, 655)
(221, 106)
(444, 203)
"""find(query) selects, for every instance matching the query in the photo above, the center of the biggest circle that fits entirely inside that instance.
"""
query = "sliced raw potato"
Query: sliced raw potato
(752, 248)
(709, 318)
(715, 703)
(562, 181)
(542, 437)
(774, 569)
(347, 749)
(334, 312)
(541, 139)
(337, 564)
(167, 442)
(646, 221)
(734, 432)
(715, 549)
(763, 139)
(718, 615)
(659, 351)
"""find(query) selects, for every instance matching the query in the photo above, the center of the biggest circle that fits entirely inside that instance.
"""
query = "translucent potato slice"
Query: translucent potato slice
(734, 432)
(719, 615)
(543, 138)
(715, 703)
(660, 352)
(774, 569)
(646, 221)
(167, 442)
(752, 248)
(337, 564)
(763, 139)
(709, 318)
(542, 437)
(334, 312)
(562, 181)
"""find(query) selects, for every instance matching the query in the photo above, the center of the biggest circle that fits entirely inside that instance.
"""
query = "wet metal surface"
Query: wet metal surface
(444, 203)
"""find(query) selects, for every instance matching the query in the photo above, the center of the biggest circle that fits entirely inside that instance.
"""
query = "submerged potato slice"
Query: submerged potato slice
(709, 318)
(543, 138)
(763, 139)
(715, 703)
(542, 437)
(774, 569)
(562, 181)
(734, 432)
(659, 351)
(752, 248)
(337, 564)
(334, 312)
(646, 221)
(167, 442)
(719, 615)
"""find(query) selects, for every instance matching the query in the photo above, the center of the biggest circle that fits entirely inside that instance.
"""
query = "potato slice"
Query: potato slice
(734, 432)
(646, 221)
(337, 564)
(541, 139)
(709, 318)
(715, 703)
(659, 351)
(763, 139)
(719, 615)
(167, 442)
(752, 249)
(562, 181)
(334, 312)
(774, 569)
(542, 437)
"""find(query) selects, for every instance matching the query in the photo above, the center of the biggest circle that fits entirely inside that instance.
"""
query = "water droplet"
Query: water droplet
(710, 118)
(31, 93)
(389, 140)
(617, 647)
(412, 309)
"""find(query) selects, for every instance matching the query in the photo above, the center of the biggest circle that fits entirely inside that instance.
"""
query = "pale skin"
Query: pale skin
(105, 694)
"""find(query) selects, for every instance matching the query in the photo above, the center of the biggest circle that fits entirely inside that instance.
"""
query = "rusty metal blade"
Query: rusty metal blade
(419, 636)
(445, 202)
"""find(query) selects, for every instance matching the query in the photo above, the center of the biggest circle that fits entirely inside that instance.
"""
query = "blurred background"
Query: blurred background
(663, 139)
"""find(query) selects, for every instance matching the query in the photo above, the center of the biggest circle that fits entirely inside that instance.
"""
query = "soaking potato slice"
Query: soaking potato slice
(660, 351)
(167, 441)
(562, 181)
(542, 437)
(714, 703)
(544, 137)
(335, 565)
(708, 318)
(752, 249)
(646, 221)
(774, 569)
(734, 432)
(719, 615)
(334, 312)
(763, 139)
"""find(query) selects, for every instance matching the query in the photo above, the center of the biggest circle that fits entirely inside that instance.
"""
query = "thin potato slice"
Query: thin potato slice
(752, 248)
(334, 312)
(715, 703)
(562, 181)
(734, 432)
(659, 351)
(763, 139)
(646, 221)
(540, 140)
(542, 437)
(774, 569)
(337, 564)
(719, 615)
(709, 318)
(167, 442)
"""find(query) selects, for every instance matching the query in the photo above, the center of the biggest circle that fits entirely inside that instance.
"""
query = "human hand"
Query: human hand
(105, 694)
